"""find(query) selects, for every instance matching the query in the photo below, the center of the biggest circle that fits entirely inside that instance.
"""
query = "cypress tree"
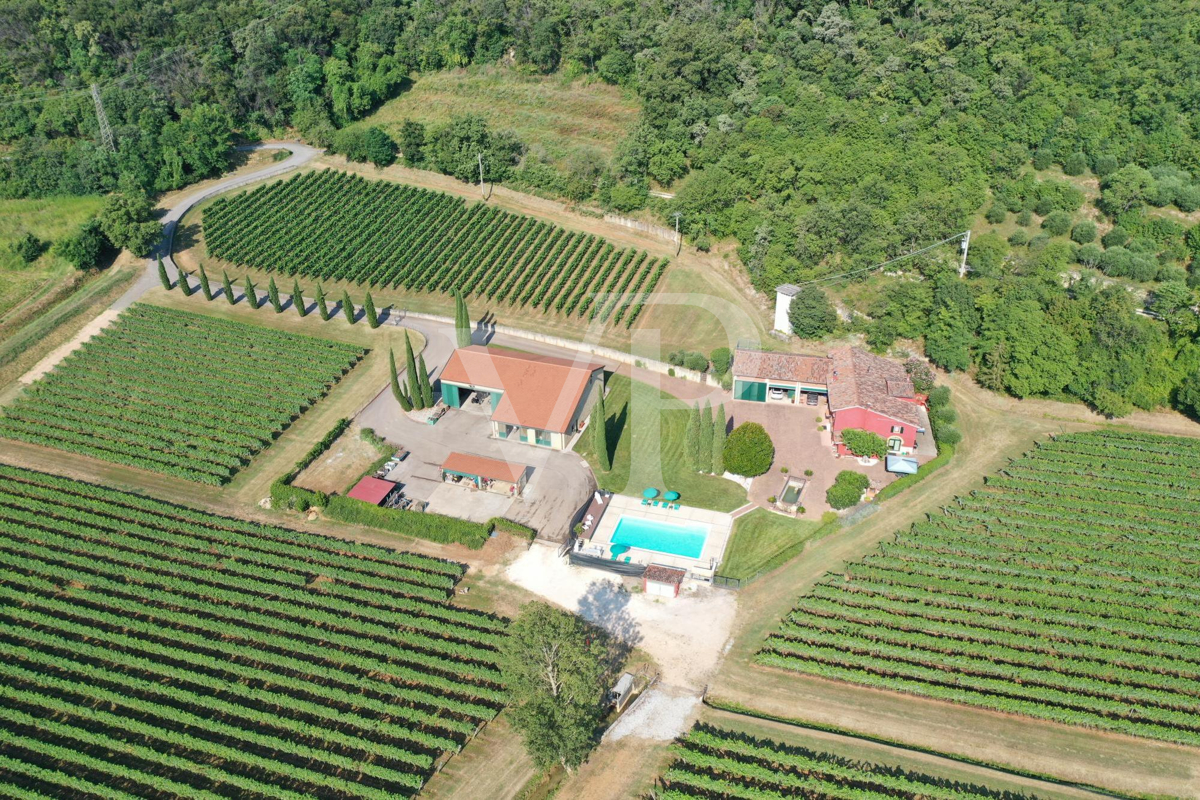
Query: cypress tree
(462, 320)
(691, 442)
(298, 299)
(426, 386)
(705, 448)
(273, 296)
(414, 383)
(204, 287)
(227, 287)
(600, 434)
(162, 274)
(251, 293)
(718, 451)
(321, 307)
(397, 390)
(347, 307)
(184, 286)
(369, 310)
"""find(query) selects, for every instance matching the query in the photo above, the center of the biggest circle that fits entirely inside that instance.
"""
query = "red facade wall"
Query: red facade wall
(872, 421)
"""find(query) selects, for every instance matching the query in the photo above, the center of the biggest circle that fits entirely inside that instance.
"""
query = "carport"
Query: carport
(490, 474)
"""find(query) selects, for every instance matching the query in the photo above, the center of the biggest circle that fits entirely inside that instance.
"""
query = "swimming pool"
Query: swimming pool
(677, 538)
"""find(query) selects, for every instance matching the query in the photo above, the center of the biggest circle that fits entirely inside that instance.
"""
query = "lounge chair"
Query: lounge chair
(627, 558)
(677, 506)
(645, 502)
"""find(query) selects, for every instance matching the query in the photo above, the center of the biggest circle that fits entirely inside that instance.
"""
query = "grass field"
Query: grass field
(51, 219)
(1061, 590)
(646, 430)
(183, 394)
(545, 111)
(154, 648)
(759, 537)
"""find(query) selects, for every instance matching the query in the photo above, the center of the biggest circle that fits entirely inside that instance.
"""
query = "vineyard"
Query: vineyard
(183, 394)
(711, 762)
(329, 225)
(151, 650)
(1066, 589)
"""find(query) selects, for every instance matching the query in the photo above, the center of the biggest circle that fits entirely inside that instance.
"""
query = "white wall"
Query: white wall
(783, 302)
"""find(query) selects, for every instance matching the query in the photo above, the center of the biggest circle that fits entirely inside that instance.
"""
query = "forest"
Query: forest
(822, 137)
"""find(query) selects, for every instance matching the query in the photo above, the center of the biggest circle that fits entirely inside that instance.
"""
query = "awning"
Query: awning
(902, 465)
(372, 490)
(487, 468)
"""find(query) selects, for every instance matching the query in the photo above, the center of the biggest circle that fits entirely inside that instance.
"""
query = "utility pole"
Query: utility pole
(482, 194)
(106, 137)
(966, 244)
(678, 238)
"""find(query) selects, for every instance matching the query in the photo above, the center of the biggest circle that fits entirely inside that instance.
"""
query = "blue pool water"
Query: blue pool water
(677, 538)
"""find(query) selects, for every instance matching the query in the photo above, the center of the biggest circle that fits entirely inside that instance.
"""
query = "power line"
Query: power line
(886, 263)
(106, 137)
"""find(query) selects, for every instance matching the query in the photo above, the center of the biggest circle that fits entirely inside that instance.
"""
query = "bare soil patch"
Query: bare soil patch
(344, 461)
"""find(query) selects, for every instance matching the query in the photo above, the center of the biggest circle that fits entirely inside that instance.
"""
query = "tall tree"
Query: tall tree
(555, 669)
(369, 311)
(705, 446)
(322, 307)
(227, 288)
(599, 425)
(204, 287)
(298, 299)
(810, 314)
(273, 295)
(718, 451)
(462, 320)
(162, 275)
(347, 307)
(251, 293)
(691, 441)
(184, 285)
(410, 367)
(398, 391)
(426, 386)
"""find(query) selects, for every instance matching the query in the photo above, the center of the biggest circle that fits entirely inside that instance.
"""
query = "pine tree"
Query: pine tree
(426, 386)
(251, 293)
(600, 434)
(227, 287)
(347, 307)
(273, 296)
(162, 274)
(298, 299)
(691, 442)
(397, 390)
(705, 447)
(184, 286)
(204, 287)
(369, 310)
(410, 365)
(462, 321)
(718, 450)
(321, 307)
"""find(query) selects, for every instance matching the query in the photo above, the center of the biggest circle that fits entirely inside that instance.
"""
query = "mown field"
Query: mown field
(148, 649)
(333, 226)
(714, 762)
(187, 395)
(1065, 589)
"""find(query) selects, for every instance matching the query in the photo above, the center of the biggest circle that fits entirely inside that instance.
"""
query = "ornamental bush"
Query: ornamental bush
(749, 450)
(847, 489)
(864, 443)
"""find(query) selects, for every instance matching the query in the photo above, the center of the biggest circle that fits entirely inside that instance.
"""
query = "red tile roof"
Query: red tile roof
(539, 391)
(490, 468)
(371, 490)
(858, 379)
(794, 367)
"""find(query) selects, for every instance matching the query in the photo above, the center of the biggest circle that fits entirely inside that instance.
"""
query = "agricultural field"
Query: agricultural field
(330, 225)
(1064, 589)
(150, 648)
(713, 762)
(183, 394)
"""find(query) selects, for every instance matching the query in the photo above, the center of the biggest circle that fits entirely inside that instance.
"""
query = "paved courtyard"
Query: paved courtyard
(800, 446)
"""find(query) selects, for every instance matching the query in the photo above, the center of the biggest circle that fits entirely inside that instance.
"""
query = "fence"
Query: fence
(645, 227)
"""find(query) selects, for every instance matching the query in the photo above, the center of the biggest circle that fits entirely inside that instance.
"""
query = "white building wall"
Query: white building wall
(783, 302)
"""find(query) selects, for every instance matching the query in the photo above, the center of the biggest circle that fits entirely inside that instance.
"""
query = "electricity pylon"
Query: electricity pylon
(106, 137)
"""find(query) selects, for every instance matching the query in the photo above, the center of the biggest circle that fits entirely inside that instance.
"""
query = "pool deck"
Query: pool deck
(720, 526)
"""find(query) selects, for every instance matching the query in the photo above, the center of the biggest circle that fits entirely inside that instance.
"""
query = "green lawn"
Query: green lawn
(49, 220)
(647, 427)
(759, 537)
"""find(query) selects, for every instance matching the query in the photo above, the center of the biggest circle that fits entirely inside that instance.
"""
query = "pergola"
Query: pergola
(493, 475)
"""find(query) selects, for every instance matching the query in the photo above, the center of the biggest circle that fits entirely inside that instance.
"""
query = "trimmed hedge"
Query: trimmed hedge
(419, 524)
(514, 528)
(284, 495)
(945, 453)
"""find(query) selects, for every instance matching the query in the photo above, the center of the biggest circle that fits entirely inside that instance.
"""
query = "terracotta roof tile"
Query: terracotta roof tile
(371, 490)
(539, 391)
(780, 366)
(858, 379)
(490, 468)
(668, 575)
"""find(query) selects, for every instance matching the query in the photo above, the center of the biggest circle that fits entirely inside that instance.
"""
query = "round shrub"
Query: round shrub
(722, 360)
(1117, 237)
(847, 489)
(1105, 165)
(864, 443)
(1076, 164)
(996, 214)
(1025, 217)
(1084, 232)
(1042, 159)
(1057, 223)
(1044, 206)
(1039, 241)
(1018, 238)
(949, 435)
(696, 361)
(749, 450)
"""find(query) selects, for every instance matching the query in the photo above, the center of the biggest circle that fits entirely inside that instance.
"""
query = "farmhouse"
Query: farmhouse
(861, 390)
(538, 400)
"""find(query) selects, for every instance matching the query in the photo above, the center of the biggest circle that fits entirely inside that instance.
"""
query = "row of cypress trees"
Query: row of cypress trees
(369, 311)
(418, 394)
(704, 441)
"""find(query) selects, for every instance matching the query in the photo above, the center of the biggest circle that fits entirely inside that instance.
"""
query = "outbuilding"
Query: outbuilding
(375, 491)
(489, 474)
(660, 581)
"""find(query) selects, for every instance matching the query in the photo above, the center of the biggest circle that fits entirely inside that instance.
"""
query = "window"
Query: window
(897, 429)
